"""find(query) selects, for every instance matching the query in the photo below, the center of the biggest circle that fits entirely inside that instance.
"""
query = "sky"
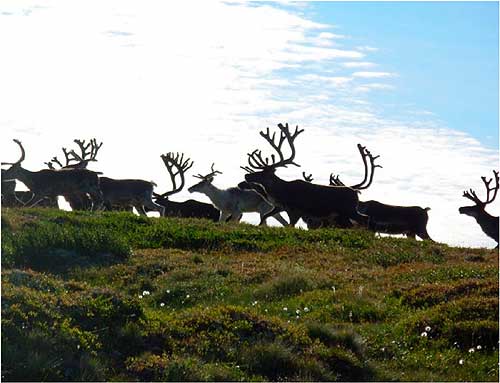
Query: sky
(416, 82)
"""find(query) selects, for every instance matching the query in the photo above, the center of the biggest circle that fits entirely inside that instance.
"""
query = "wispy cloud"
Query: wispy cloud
(367, 48)
(373, 74)
(358, 64)
(374, 86)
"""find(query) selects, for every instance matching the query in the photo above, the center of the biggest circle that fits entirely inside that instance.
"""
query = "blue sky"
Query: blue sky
(445, 54)
(416, 83)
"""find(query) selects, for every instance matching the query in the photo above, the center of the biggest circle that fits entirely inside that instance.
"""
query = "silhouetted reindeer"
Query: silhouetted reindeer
(392, 219)
(233, 202)
(52, 183)
(177, 166)
(88, 153)
(488, 223)
(126, 193)
(298, 198)
(340, 221)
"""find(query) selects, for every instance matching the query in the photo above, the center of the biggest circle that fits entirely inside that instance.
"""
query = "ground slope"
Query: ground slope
(113, 296)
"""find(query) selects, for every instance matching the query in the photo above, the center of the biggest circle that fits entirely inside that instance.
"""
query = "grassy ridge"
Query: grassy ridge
(113, 296)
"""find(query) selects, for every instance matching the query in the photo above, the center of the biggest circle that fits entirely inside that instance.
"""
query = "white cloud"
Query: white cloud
(373, 86)
(329, 35)
(358, 64)
(367, 48)
(326, 80)
(170, 79)
(373, 74)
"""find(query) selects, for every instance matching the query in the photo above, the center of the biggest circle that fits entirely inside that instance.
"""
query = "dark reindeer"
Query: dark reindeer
(177, 166)
(88, 153)
(391, 219)
(52, 183)
(488, 223)
(126, 193)
(339, 221)
(298, 198)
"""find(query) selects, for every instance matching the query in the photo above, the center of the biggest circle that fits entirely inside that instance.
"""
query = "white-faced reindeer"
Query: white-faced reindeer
(52, 183)
(489, 224)
(233, 202)
(177, 166)
(298, 198)
(391, 219)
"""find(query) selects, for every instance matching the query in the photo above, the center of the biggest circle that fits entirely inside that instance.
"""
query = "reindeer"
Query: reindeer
(177, 166)
(298, 198)
(391, 219)
(488, 223)
(233, 202)
(88, 153)
(52, 183)
(340, 221)
(129, 192)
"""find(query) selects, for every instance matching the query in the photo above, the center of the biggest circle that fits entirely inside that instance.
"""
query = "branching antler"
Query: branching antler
(365, 153)
(210, 176)
(471, 194)
(176, 166)
(307, 178)
(257, 162)
(335, 180)
(21, 159)
(88, 152)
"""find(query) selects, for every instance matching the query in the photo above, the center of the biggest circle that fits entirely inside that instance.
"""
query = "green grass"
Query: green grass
(113, 296)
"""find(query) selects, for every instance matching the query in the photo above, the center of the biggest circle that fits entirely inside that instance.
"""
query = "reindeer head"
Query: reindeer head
(206, 181)
(476, 210)
(260, 169)
(13, 171)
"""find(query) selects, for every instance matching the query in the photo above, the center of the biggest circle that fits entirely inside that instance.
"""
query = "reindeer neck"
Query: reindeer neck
(488, 223)
(216, 195)
(26, 177)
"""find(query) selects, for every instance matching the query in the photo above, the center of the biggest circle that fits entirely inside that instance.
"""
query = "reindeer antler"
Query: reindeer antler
(471, 194)
(257, 162)
(176, 161)
(88, 152)
(307, 178)
(210, 176)
(21, 159)
(365, 153)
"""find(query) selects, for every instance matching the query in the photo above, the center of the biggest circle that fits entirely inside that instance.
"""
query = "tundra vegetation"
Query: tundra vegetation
(115, 296)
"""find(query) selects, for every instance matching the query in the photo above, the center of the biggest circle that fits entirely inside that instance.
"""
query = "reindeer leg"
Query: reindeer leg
(224, 216)
(424, 235)
(362, 219)
(270, 213)
(37, 202)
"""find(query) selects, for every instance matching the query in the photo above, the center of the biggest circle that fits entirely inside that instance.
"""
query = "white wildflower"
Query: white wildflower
(162, 304)
(424, 334)
(145, 292)
(461, 361)
(471, 350)
(306, 309)
(479, 347)
(285, 308)
(428, 328)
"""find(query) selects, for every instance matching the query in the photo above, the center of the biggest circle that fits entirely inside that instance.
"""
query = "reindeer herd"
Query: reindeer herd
(263, 192)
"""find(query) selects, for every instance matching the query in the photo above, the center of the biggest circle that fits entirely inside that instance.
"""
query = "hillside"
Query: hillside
(113, 296)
